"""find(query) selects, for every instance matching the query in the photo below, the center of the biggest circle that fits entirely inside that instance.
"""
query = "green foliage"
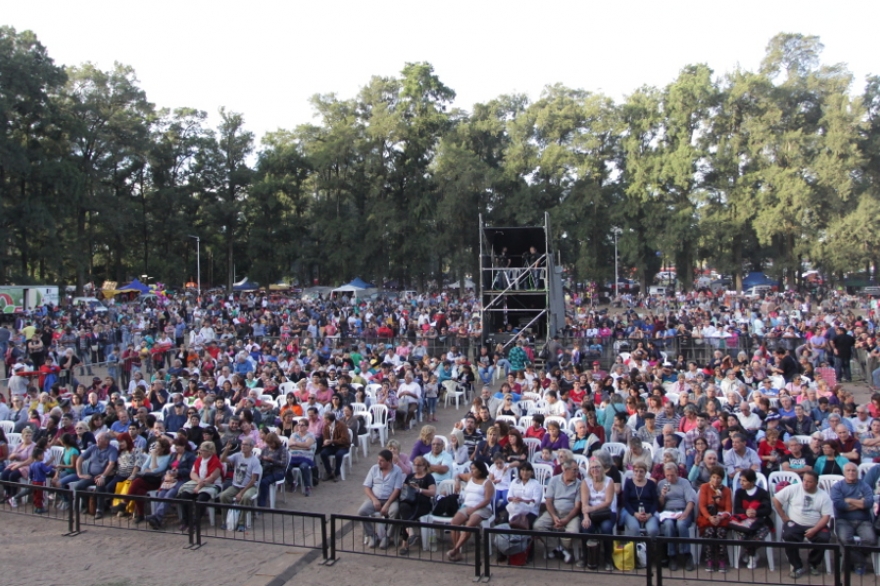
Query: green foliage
(751, 170)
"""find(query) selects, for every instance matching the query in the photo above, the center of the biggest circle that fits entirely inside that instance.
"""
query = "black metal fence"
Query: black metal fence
(638, 560)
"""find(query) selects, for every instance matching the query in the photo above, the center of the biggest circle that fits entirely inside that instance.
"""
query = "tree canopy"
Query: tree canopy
(746, 170)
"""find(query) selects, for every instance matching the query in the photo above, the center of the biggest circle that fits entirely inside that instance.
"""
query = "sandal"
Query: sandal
(403, 551)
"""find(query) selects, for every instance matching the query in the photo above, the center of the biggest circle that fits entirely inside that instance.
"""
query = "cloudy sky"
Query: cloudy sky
(266, 58)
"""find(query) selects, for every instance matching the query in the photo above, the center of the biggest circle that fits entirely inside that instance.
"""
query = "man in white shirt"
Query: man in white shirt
(749, 421)
(805, 512)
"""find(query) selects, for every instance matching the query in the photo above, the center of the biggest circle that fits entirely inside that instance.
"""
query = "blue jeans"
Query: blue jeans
(336, 451)
(842, 369)
(679, 528)
(505, 364)
(266, 485)
(305, 468)
(431, 405)
(486, 374)
(633, 527)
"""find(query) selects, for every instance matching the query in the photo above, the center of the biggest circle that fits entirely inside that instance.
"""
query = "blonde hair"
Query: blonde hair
(426, 432)
(208, 446)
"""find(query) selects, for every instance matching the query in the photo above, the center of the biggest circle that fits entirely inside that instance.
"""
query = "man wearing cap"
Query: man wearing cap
(18, 384)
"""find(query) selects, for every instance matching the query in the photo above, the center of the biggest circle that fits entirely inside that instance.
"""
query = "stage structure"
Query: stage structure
(520, 283)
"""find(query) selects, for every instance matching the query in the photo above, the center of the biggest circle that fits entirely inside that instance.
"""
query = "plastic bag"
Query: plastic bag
(624, 556)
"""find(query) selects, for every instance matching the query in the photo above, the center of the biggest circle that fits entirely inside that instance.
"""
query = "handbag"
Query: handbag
(519, 521)
(600, 516)
(743, 524)
(409, 494)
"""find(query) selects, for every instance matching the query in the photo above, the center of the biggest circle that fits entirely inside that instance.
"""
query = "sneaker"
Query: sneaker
(689, 562)
(753, 562)
(581, 563)
(722, 567)
(710, 566)
(566, 556)
(795, 574)
(673, 564)
(99, 515)
(384, 543)
(550, 555)
(41, 511)
(308, 491)
(860, 570)
(814, 571)
(13, 502)
(64, 506)
(608, 567)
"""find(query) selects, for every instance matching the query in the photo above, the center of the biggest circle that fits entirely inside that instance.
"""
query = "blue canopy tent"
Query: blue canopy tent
(359, 283)
(757, 278)
(135, 285)
(245, 285)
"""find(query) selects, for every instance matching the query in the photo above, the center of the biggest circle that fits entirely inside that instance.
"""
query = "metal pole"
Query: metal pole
(199, 266)
(616, 231)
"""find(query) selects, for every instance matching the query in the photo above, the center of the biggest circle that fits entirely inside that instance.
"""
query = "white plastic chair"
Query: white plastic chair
(7, 426)
(864, 468)
(781, 476)
(583, 463)
(804, 440)
(534, 446)
(364, 438)
(286, 388)
(760, 480)
(452, 392)
(445, 441)
(510, 419)
(525, 421)
(56, 453)
(159, 415)
(347, 456)
(543, 473)
(614, 448)
(559, 421)
(530, 397)
(13, 439)
(526, 407)
(379, 422)
(359, 408)
(826, 481)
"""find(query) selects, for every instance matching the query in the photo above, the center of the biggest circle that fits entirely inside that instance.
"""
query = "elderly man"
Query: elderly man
(852, 499)
(677, 502)
(409, 394)
(101, 458)
(563, 499)
(800, 424)
(848, 446)
(93, 406)
(246, 474)
(798, 460)
(741, 457)
(805, 512)
(748, 420)
(382, 487)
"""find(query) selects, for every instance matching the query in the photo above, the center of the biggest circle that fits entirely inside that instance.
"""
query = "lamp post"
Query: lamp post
(198, 263)
(616, 231)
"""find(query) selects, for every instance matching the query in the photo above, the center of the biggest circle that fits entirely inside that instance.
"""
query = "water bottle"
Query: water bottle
(432, 541)
(641, 509)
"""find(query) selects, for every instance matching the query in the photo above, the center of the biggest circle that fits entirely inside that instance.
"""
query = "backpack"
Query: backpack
(511, 544)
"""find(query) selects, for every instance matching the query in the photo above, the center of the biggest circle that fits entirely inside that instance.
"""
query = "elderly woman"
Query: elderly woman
(599, 508)
(274, 459)
(752, 514)
(700, 471)
(457, 449)
(678, 500)
(636, 453)
(151, 474)
(715, 509)
(554, 439)
(206, 477)
(422, 445)
(399, 459)
(176, 474)
(669, 455)
(640, 502)
(18, 463)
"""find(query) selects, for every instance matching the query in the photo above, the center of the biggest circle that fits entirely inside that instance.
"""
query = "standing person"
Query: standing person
(842, 344)
(853, 499)
(805, 512)
(382, 488)
(336, 443)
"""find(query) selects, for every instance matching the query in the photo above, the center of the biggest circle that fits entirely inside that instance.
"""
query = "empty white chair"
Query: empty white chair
(358, 408)
(7, 426)
(286, 388)
(543, 474)
(452, 392)
(13, 439)
(534, 446)
(364, 438)
(379, 422)
(864, 468)
(614, 448)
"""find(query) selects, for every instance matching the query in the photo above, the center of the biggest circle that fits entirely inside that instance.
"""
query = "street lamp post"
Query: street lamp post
(198, 263)
(616, 231)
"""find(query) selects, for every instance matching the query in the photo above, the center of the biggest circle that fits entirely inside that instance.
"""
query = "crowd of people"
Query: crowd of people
(229, 398)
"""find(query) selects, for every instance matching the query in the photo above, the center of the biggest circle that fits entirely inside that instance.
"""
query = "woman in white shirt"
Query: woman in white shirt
(524, 495)
(599, 506)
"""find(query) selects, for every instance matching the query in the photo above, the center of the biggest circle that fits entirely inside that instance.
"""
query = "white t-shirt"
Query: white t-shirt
(244, 468)
(802, 507)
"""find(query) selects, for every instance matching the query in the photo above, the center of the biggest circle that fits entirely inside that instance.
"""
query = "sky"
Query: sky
(265, 59)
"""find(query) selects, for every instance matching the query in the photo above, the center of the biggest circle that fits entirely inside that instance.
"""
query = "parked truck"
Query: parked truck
(22, 298)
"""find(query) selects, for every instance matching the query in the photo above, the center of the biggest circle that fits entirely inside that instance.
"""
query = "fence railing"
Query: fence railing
(647, 560)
